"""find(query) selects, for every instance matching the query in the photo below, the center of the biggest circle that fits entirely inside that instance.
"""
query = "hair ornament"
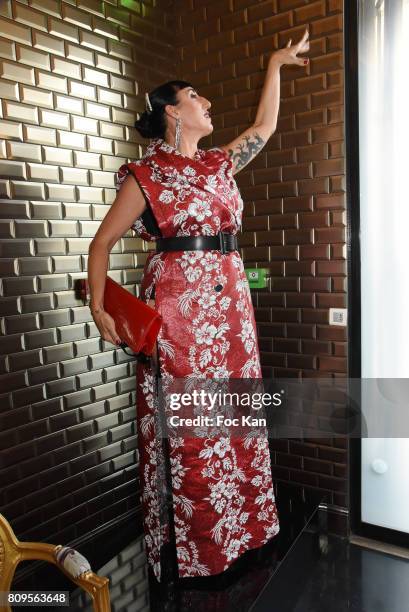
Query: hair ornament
(148, 103)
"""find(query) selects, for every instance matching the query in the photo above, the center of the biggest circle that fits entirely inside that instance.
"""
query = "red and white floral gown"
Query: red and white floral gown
(223, 497)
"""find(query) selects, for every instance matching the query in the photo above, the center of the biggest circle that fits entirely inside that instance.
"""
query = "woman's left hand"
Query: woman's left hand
(288, 55)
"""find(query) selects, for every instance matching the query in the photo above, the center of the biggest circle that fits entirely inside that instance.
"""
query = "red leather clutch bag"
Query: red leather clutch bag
(136, 323)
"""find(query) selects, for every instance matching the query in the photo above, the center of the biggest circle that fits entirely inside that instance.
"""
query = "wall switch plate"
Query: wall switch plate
(338, 316)
(257, 277)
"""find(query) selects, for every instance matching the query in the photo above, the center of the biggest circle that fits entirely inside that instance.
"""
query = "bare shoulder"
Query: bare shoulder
(245, 147)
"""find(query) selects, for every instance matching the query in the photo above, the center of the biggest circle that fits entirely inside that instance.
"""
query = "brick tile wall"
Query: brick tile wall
(294, 191)
(72, 80)
(128, 580)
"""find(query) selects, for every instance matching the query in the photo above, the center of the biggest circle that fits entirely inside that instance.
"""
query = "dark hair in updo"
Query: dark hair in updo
(152, 124)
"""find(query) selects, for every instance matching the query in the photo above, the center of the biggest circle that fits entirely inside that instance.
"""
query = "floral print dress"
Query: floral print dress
(222, 489)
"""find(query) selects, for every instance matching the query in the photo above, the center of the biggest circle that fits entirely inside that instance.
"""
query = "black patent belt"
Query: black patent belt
(223, 242)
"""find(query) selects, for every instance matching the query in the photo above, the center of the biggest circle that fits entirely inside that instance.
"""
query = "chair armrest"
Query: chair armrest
(71, 561)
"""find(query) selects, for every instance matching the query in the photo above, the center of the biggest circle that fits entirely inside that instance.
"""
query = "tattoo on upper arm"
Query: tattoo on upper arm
(246, 150)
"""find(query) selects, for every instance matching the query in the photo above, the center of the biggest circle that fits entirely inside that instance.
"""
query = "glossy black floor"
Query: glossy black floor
(324, 573)
(238, 587)
(303, 569)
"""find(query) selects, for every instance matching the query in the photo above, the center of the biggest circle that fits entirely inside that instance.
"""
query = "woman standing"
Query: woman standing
(187, 200)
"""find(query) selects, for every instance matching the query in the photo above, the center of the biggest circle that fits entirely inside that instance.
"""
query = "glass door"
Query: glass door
(383, 54)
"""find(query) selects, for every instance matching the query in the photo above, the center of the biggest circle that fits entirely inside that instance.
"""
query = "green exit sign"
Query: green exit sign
(256, 277)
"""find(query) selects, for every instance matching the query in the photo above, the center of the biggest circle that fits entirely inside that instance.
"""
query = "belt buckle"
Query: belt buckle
(222, 245)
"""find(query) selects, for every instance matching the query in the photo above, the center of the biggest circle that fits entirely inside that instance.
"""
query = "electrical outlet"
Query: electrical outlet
(338, 316)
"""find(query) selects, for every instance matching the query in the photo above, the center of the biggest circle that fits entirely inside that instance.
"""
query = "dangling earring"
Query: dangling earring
(178, 132)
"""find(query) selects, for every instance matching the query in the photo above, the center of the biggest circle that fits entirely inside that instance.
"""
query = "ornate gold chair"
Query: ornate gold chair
(68, 560)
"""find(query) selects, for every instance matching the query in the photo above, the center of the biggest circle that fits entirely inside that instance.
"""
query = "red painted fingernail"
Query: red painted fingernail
(306, 61)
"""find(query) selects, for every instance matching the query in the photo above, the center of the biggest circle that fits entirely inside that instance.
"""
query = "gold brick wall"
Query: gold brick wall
(72, 81)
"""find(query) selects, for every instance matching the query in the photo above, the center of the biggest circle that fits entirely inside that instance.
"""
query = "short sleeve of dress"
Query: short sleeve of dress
(146, 226)
(218, 155)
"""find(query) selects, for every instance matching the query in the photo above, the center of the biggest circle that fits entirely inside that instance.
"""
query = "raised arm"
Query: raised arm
(246, 146)
(128, 205)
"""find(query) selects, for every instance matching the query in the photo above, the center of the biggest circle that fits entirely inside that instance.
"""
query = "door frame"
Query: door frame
(357, 526)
